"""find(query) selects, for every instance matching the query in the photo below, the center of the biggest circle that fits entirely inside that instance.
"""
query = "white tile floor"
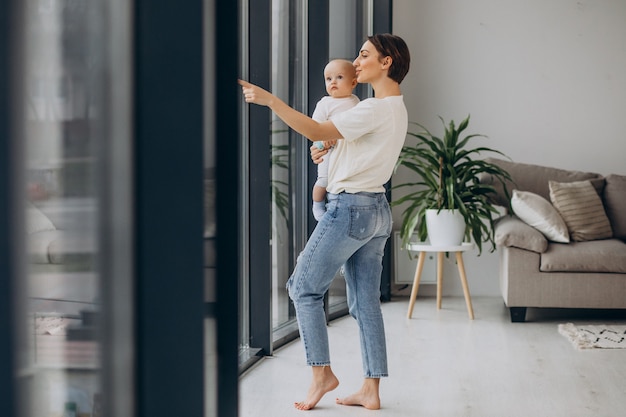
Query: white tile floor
(442, 364)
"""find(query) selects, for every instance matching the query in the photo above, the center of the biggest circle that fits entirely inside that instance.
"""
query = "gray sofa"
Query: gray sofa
(538, 270)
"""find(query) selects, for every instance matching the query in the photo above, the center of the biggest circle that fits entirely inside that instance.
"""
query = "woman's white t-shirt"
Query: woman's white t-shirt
(373, 134)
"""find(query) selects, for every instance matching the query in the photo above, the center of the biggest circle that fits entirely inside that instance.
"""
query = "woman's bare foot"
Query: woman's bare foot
(368, 396)
(324, 380)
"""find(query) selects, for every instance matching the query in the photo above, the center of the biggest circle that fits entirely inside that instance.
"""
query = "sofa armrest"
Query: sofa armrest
(510, 231)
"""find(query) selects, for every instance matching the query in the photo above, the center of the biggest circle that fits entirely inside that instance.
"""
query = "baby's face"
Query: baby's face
(340, 79)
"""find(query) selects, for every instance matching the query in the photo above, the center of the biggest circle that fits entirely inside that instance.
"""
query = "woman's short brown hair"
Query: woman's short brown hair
(394, 46)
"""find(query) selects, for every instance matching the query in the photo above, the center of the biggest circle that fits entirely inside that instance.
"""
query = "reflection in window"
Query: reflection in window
(281, 169)
(210, 221)
(63, 107)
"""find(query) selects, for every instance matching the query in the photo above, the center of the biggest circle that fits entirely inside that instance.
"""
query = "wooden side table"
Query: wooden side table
(424, 248)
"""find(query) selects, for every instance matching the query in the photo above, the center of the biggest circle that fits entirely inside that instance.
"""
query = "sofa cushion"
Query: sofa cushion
(534, 178)
(597, 256)
(537, 212)
(510, 231)
(615, 204)
(582, 209)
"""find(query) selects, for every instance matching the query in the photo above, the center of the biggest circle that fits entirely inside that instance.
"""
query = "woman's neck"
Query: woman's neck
(386, 88)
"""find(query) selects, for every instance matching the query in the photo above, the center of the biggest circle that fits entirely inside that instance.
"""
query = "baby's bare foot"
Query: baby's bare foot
(323, 381)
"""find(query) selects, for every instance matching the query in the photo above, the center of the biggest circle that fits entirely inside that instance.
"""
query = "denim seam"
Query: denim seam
(306, 267)
(300, 283)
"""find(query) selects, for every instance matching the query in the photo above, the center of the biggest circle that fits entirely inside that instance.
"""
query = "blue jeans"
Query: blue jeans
(352, 233)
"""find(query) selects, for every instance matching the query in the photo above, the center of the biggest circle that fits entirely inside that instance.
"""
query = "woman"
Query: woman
(357, 224)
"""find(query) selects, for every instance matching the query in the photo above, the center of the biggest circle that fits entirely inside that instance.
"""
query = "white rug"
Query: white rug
(51, 326)
(595, 336)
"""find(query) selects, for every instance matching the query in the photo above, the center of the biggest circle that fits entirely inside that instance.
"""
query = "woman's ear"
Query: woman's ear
(387, 61)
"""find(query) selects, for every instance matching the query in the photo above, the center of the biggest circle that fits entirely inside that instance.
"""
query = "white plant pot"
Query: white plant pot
(445, 228)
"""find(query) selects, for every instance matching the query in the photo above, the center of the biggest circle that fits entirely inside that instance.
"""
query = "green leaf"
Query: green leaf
(447, 171)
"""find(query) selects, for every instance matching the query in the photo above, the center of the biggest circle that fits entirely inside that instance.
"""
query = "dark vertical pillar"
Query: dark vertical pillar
(12, 242)
(318, 51)
(383, 24)
(8, 249)
(168, 208)
(227, 96)
(260, 204)
(318, 56)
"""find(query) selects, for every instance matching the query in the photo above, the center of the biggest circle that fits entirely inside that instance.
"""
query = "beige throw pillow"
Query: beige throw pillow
(537, 212)
(582, 209)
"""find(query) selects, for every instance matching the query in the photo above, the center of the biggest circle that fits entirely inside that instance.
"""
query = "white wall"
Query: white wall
(544, 80)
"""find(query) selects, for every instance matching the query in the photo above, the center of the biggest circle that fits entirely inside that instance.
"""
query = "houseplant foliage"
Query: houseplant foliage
(448, 171)
(280, 159)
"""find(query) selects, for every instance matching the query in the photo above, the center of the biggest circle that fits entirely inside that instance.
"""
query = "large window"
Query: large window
(349, 23)
(284, 49)
(288, 74)
(101, 208)
(101, 222)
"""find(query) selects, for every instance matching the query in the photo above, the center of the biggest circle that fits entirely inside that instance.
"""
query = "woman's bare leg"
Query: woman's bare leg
(324, 380)
(368, 396)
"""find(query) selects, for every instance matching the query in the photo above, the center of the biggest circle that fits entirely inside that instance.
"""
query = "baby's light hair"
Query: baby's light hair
(347, 64)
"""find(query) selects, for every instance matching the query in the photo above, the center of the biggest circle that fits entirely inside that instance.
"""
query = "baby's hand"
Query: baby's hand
(330, 143)
(317, 154)
(325, 144)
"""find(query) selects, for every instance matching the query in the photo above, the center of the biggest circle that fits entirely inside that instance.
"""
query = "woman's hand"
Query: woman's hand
(299, 122)
(317, 154)
(255, 94)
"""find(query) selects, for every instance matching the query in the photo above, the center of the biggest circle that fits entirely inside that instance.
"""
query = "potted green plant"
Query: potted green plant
(448, 171)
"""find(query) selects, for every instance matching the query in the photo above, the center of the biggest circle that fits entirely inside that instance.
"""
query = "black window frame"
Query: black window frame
(261, 340)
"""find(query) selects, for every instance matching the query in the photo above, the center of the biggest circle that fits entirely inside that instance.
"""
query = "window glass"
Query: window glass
(63, 113)
(350, 22)
(348, 26)
(282, 157)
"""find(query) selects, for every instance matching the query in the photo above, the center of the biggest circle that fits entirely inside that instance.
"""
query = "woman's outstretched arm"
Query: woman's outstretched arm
(299, 122)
